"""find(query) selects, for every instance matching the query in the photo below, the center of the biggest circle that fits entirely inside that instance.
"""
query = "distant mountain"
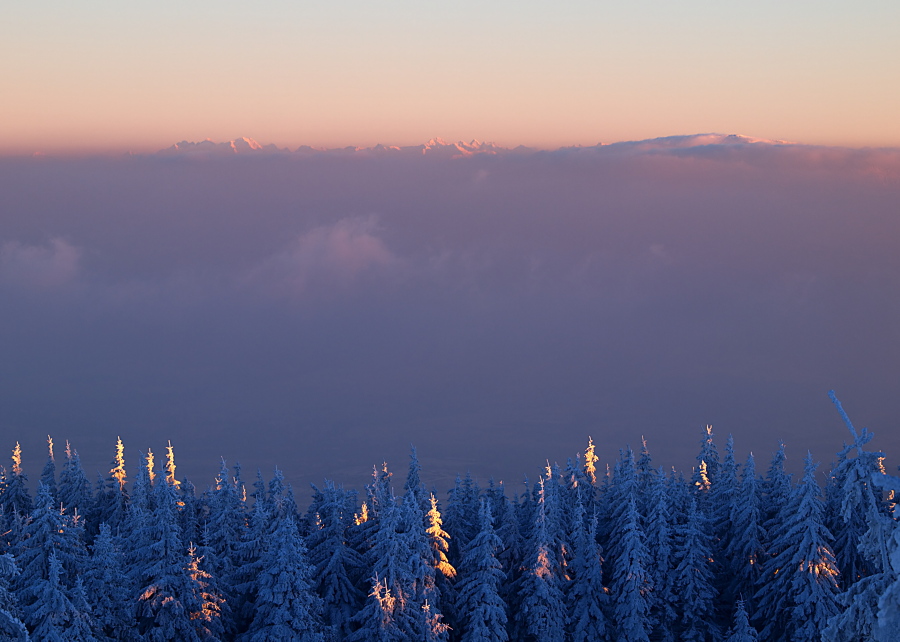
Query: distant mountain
(440, 148)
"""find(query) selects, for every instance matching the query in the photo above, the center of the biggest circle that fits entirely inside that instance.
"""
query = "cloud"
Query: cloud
(326, 257)
(39, 267)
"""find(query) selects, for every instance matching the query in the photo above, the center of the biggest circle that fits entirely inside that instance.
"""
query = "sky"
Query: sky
(323, 311)
(105, 76)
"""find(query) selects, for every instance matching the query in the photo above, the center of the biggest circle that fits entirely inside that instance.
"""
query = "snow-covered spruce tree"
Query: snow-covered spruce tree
(169, 603)
(376, 619)
(223, 532)
(631, 582)
(541, 611)
(746, 545)
(250, 551)
(47, 533)
(707, 468)
(15, 500)
(74, 487)
(286, 607)
(888, 625)
(438, 541)
(482, 613)
(423, 606)
(815, 586)
(111, 504)
(48, 474)
(694, 578)
(11, 626)
(461, 515)
(336, 566)
(723, 494)
(587, 600)
(798, 596)
(742, 631)
(108, 587)
(660, 542)
(384, 615)
(55, 617)
(863, 497)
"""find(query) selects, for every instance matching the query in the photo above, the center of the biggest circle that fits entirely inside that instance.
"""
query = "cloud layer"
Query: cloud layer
(322, 310)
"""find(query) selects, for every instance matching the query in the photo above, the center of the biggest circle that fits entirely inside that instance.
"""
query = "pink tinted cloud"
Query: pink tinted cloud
(326, 257)
(37, 266)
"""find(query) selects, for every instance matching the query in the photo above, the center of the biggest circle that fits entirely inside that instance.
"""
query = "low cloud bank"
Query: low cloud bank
(290, 306)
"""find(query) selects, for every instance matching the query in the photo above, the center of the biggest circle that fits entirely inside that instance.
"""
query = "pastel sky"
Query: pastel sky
(101, 75)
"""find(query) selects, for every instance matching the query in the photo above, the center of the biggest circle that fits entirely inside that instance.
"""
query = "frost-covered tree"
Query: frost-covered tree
(482, 613)
(11, 626)
(225, 526)
(169, 603)
(14, 496)
(74, 487)
(48, 534)
(587, 600)
(888, 626)
(707, 462)
(541, 613)
(746, 550)
(632, 582)
(863, 498)
(694, 578)
(111, 503)
(461, 515)
(56, 618)
(336, 566)
(742, 631)
(798, 596)
(48, 474)
(376, 619)
(108, 587)
(660, 542)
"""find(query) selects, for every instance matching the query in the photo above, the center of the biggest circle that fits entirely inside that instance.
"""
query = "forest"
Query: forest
(625, 552)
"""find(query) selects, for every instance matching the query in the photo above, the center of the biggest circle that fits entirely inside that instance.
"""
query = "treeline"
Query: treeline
(629, 553)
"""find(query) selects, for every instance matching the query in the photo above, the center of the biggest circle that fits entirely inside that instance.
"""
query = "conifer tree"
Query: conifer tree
(746, 546)
(423, 599)
(482, 613)
(250, 553)
(224, 530)
(47, 534)
(111, 504)
(587, 600)
(48, 475)
(461, 515)
(694, 578)
(376, 619)
(632, 583)
(55, 617)
(336, 566)
(209, 617)
(74, 487)
(168, 604)
(14, 496)
(541, 613)
(863, 498)
(385, 615)
(741, 631)
(660, 542)
(707, 462)
(798, 596)
(11, 626)
(108, 587)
